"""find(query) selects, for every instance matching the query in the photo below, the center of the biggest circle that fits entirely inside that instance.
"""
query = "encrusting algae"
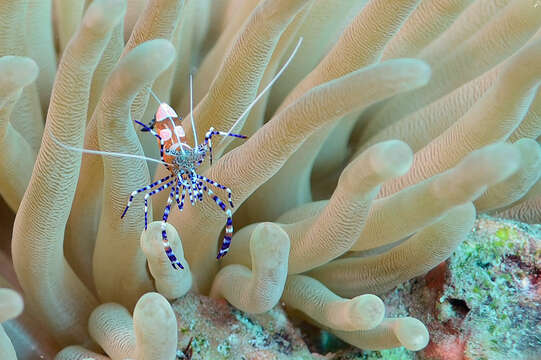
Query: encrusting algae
(366, 164)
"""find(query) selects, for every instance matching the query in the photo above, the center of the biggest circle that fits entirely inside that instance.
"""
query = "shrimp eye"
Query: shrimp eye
(179, 130)
(165, 134)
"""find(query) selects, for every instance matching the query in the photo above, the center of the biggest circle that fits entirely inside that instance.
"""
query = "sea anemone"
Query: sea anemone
(394, 124)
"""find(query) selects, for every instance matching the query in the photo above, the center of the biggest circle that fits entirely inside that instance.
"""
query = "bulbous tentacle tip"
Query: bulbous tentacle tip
(155, 326)
(417, 71)
(153, 305)
(411, 333)
(270, 241)
(11, 304)
(391, 158)
(103, 15)
(510, 159)
(155, 56)
(497, 161)
(269, 230)
(366, 311)
(17, 72)
(377, 164)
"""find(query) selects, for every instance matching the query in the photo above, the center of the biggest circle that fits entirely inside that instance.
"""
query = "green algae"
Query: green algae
(492, 274)
(391, 354)
(200, 343)
(224, 349)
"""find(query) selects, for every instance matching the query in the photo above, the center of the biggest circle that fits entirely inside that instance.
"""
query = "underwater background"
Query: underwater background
(270, 179)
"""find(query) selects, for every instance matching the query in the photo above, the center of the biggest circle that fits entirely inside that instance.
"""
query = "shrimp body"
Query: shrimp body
(182, 161)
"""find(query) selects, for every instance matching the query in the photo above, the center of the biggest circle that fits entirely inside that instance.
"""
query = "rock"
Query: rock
(488, 295)
(219, 331)
(484, 301)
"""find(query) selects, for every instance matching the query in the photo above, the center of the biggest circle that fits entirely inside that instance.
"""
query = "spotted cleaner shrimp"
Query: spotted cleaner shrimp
(182, 160)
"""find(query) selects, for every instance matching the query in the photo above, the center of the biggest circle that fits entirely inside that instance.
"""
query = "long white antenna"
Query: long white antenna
(195, 142)
(96, 152)
(269, 85)
(154, 95)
